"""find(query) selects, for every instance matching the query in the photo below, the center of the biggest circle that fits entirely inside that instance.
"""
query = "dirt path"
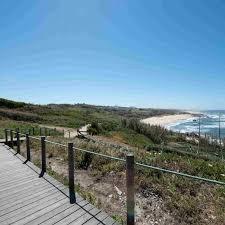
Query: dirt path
(68, 132)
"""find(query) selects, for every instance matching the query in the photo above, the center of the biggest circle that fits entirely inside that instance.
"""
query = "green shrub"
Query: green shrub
(11, 104)
(157, 134)
(94, 129)
(119, 219)
(19, 116)
(86, 160)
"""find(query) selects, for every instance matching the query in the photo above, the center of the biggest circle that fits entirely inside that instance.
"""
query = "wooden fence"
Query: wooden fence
(9, 140)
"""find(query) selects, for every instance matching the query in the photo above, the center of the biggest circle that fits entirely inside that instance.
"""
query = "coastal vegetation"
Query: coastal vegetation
(181, 197)
(73, 116)
(115, 131)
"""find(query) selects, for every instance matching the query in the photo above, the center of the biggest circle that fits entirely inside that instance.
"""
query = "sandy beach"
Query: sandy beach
(166, 120)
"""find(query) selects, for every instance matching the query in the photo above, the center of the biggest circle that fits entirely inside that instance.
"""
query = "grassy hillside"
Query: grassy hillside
(73, 116)
(163, 198)
(119, 123)
(171, 199)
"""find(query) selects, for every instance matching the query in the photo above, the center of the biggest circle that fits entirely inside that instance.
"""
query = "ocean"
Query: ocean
(211, 123)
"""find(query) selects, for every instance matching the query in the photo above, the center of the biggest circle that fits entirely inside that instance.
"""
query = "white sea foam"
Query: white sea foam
(209, 126)
(190, 125)
(173, 125)
(213, 116)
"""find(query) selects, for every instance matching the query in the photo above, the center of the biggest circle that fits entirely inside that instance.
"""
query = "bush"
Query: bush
(86, 160)
(152, 147)
(94, 129)
(102, 128)
(11, 104)
(19, 116)
(157, 134)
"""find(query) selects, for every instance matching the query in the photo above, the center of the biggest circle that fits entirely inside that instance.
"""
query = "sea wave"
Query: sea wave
(209, 124)
(213, 116)
(172, 125)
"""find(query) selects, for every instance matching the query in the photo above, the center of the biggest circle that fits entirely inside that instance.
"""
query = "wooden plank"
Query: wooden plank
(81, 220)
(12, 191)
(30, 209)
(10, 166)
(70, 218)
(22, 197)
(18, 186)
(101, 216)
(95, 211)
(27, 199)
(20, 208)
(62, 215)
(92, 221)
(37, 214)
(15, 181)
(13, 170)
(48, 215)
(25, 202)
(88, 207)
(8, 195)
(108, 221)
(83, 203)
(15, 174)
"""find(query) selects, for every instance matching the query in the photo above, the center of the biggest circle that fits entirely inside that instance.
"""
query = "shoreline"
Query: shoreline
(167, 120)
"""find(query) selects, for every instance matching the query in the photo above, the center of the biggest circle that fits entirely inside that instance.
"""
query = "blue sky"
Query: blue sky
(148, 53)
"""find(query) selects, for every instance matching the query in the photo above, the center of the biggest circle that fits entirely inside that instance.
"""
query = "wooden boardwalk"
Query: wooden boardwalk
(27, 199)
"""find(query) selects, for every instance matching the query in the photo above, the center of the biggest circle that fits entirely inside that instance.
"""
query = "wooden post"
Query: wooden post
(33, 131)
(28, 146)
(18, 141)
(6, 136)
(199, 134)
(11, 137)
(71, 173)
(130, 188)
(43, 155)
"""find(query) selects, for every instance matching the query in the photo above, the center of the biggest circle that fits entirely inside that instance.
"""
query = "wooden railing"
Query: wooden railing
(129, 161)
(71, 168)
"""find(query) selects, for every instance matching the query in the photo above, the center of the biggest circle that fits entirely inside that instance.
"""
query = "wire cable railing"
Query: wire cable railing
(136, 163)
(180, 174)
(35, 138)
(129, 161)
